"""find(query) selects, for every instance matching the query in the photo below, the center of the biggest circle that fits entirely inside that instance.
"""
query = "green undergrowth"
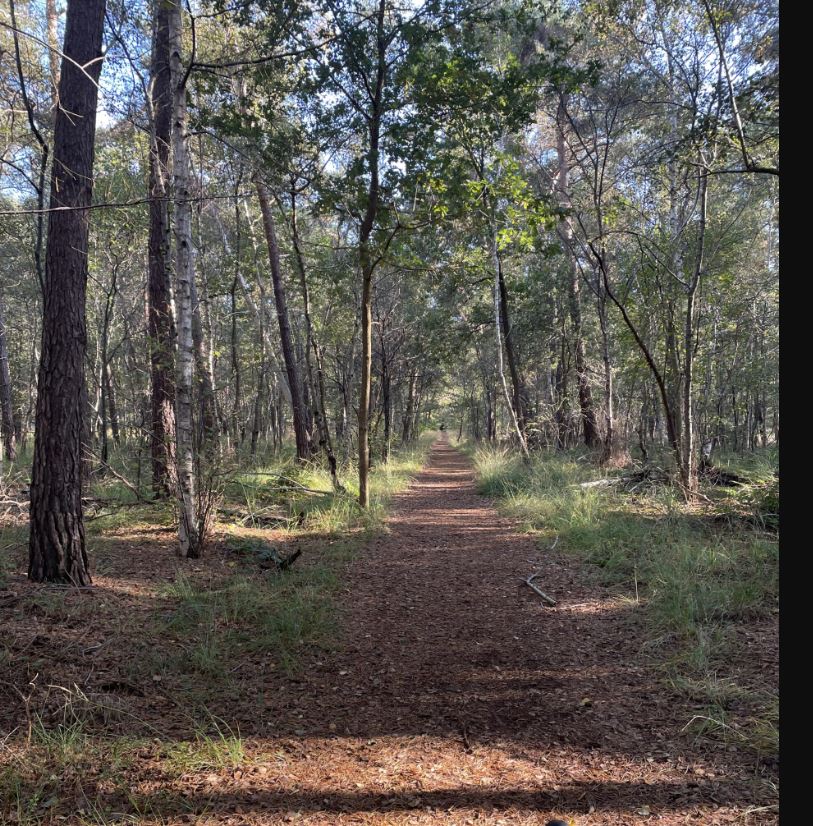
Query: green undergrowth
(69, 771)
(695, 572)
(214, 630)
(257, 611)
(284, 489)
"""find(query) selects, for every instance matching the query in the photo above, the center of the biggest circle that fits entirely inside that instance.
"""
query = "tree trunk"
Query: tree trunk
(498, 315)
(317, 387)
(188, 527)
(235, 366)
(588, 415)
(57, 551)
(52, 19)
(386, 402)
(160, 320)
(367, 263)
(204, 368)
(688, 470)
(406, 420)
(286, 339)
(519, 395)
(113, 411)
(6, 406)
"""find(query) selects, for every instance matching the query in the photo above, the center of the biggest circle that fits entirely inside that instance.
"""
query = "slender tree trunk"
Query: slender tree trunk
(235, 364)
(367, 263)
(188, 527)
(498, 316)
(406, 421)
(688, 470)
(256, 425)
(386, 402)
(611, 448)
(6, 406)
(286, 339)
(52, 19)
(588, 414)
(519, 393)
(160, 320)
(57, 551)
(317, 387)
(204, 370)
(113, 412)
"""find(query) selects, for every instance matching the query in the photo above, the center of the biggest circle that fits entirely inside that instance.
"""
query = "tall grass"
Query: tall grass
(279, 614)
(268, 486)
(693, 575)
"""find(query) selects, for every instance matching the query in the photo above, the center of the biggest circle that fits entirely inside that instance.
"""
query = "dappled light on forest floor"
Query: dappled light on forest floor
(419, 682)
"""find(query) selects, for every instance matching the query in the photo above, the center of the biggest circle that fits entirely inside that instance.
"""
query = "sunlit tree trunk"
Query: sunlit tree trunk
(512, 412)
(367, 264)
(188, 528)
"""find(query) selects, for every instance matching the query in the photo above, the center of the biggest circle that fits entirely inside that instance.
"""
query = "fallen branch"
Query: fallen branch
(718, 476)
(648, 474)
(530, 584)
(264, 518)
(599, 483)
(126, 482)
(292, 484)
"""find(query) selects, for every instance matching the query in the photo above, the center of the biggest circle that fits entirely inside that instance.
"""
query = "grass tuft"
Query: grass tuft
(695, 574)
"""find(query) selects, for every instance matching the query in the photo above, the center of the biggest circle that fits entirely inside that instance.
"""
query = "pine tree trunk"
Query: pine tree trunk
(57, 551)
(366, 262)
(386, 403)
(519, 394)
(113, 411)
(160, 320)
(406, 421)
(317, 386)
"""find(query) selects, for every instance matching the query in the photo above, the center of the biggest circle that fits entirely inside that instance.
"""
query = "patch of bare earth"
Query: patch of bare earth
(457, 696)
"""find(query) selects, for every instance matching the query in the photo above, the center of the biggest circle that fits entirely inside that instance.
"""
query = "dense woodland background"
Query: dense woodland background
(600, 181)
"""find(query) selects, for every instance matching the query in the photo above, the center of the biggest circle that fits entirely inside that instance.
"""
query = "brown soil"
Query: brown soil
(456, 696)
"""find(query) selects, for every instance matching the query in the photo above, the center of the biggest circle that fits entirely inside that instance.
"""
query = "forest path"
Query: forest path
(459, 697)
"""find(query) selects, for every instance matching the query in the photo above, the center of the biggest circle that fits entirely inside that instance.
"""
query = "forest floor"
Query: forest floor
(451, 694)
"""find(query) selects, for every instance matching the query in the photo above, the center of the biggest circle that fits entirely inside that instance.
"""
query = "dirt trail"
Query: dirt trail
(454, 696)
(459, 697)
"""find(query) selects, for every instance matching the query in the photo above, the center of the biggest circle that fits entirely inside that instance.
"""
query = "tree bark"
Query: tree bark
(52, 19)
(57, 551)
(317, 387)
(498, 315)
(588, 414)
(688, 470)
(188, 527)
(6, 406)
(291, 370)
(160, 320)
(366, 261)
